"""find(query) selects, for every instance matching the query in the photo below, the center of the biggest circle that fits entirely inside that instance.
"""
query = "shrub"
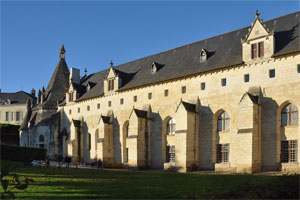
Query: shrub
(22, 154)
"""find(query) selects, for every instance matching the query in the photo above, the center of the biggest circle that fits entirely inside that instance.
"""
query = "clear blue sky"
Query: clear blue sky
(95, 32)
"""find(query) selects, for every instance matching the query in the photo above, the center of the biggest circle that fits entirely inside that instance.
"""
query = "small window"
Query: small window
(289, 151)
(170, 157)
(71, 96)
(6, 116)
(41, 141)
(203, 86)
(88, 108)
(78, 110)
(109, 104)
(222, 153)
(272, 73)
(17, 116)
(135, 98)
(98, 106)
(126, 156)
(223, 82)
(246, 78)
(203, 55)
(298, 68)
(121, 101)
(70, 112)
(166, 93)
(183, 89)
(149, 95)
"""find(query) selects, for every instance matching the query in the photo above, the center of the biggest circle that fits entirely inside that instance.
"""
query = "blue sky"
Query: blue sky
(95, 32)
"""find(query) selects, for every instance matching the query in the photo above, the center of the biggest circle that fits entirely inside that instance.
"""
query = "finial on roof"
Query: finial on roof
(256, 14)
(85, 71)
(62, 51)
(111, 63)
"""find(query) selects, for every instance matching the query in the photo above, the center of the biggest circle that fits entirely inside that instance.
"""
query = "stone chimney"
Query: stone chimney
(33, 92)
(75, 75)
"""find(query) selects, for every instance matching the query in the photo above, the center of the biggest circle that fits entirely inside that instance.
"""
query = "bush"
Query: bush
(22, 154)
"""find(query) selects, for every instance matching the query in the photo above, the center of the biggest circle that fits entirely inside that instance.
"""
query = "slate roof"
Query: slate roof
(140, 113)
(223, 51)
(57, 86)
(106, 119)
(20, 97)
(189, 107)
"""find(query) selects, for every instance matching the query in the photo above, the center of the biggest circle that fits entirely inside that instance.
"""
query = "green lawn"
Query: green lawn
(96, 184)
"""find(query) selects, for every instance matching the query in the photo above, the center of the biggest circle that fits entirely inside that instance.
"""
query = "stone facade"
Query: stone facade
(131, 126)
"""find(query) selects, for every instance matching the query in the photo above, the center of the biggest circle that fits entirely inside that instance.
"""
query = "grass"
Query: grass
(118, 184)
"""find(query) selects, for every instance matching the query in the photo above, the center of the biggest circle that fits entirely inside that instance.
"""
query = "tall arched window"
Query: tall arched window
(171, 127)
(127, 130)
(223, 121)
(41, 141)
(289, 115)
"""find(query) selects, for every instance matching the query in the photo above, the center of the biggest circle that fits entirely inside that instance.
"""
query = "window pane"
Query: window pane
(220, 125)
(227, 124)
(284, 119)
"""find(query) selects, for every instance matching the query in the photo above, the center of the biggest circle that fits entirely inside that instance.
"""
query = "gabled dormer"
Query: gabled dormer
(203, 55)
(113, 81)
(259, 42)
(155, 67)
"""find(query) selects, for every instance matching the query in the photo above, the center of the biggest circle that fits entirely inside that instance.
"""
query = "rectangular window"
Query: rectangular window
(121, 101)
(166, 93)
(203, 86)
(246, 78)
(98, 105)
(90, 142)
(298, 68)
(88, 108)
(18, 116)
(78, 110)
(12, 116)
(109, 104)
(222, 153)
(6, 116)
(170, 157)
(254, 51)
(70, 112)
(71, 96)
(110, 85)
(261, 49)
(149, 95)
(272, 73)
(135, 98)
(223, 82)
(289, 151)
(183, 89)
(21, 115)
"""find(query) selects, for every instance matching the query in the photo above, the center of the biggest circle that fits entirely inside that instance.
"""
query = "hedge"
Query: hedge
(22, 154)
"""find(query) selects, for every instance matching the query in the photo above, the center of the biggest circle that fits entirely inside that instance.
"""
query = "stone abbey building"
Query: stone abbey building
(225, 103)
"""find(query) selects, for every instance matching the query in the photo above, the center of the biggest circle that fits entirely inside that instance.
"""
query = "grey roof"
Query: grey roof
(20, 97)
(189, 107)
(106, 119)
(223, 51)
(140, 113)
(58, 85)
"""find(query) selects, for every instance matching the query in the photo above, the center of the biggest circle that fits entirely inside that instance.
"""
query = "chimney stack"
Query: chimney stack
(33, 92)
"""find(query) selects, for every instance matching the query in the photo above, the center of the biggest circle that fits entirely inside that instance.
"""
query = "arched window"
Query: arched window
(289, 115)
(41, 141)
(171, 127)
(223, 122)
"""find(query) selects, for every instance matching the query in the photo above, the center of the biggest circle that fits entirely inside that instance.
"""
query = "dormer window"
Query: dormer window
(203, 55)
(153, 68)
(71, 96)
(110, 84)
